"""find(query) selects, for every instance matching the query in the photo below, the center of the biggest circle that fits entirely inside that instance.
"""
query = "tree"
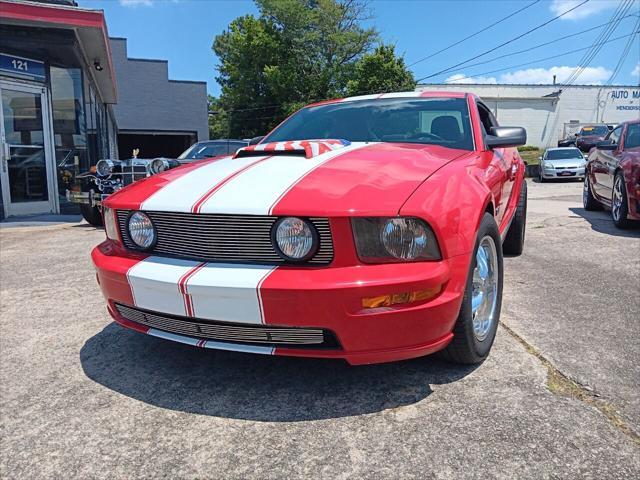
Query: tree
(295, 52)
(380, 71)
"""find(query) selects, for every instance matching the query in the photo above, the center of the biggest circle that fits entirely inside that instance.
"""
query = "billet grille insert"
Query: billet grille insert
(230, 332)
(223, 238)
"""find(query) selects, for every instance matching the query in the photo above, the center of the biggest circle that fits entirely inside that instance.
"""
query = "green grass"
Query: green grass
(531, 156)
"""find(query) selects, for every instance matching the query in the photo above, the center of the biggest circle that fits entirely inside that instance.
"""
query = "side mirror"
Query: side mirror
(606, 145)
(506, 137)
(256, 140)
(539, 158)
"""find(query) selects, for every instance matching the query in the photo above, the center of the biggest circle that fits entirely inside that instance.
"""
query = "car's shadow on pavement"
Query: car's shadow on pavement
(601, 222)
(254, 387)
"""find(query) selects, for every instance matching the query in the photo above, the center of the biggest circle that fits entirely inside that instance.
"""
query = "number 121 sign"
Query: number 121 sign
(22, 67)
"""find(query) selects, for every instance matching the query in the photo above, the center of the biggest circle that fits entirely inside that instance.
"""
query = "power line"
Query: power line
(623, 55)
(539, 59)
(596, 46)
(544, 44)
(504, 43)
(473, 34)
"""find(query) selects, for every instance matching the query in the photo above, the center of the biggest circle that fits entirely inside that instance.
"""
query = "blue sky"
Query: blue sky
(182, 31)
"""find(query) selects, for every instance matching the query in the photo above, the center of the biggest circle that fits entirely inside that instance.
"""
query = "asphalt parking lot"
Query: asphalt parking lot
(82, 397)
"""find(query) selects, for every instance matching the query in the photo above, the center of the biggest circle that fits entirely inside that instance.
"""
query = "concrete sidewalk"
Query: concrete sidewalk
(82, 397)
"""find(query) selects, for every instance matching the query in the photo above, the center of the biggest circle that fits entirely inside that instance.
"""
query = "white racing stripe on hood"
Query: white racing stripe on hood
(255, 191)
(182, 193)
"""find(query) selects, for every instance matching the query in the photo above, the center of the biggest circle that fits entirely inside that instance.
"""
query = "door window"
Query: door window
(614, 135)
(25, 165)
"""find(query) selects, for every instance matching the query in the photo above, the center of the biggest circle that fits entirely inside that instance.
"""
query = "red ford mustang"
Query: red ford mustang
(369, 229)
(612, 177)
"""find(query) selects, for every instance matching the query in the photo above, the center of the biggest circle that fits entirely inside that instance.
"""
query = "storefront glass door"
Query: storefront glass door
(27, 168)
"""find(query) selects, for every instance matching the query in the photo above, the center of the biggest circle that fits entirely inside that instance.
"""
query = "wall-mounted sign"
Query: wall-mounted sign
(22, 67)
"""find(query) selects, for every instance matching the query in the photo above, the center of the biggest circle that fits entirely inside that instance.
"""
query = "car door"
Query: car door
(603, 164)
(502, 166)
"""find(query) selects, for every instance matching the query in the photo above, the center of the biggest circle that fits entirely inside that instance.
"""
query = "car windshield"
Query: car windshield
(596, 130)
(560, 154)
(435, 121)
(206, 150)
(633, 136)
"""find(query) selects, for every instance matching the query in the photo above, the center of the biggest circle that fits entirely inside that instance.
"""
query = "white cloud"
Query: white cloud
(590, 76)
(463, 79)
(636, 71)
(136, 3)
(591, 8)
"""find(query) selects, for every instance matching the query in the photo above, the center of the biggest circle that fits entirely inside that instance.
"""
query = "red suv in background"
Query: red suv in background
(612, 177)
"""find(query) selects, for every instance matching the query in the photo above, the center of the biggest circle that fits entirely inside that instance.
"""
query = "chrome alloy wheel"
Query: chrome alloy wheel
(484, 292)
(616, 201)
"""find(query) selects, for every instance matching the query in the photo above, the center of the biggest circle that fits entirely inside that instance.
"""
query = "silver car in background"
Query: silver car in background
(562, 162)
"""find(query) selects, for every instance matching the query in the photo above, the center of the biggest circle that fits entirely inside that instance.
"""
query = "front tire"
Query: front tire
(589, 202)
(619, 202)
(92, 215)
(477, 323)
(514, 241)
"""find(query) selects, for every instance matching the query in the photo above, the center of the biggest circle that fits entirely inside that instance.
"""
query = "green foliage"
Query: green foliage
(527, 148)
(294, 53)
(380, 71)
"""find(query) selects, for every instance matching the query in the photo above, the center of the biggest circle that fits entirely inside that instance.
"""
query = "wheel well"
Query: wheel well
(490, 209)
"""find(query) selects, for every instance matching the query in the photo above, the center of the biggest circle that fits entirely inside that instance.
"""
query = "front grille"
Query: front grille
(292, 337)
(223, 238)
(565, 168)
(132, 173)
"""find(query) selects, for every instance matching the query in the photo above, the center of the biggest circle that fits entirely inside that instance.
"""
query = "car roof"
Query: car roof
(386, 96)
(561, 148)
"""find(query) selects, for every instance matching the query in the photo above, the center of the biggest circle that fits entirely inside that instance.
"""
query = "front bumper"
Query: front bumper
(562, 173)
(90, 198)
(328, 298)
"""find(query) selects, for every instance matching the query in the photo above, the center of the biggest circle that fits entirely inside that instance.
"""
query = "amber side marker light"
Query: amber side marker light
(400, 298)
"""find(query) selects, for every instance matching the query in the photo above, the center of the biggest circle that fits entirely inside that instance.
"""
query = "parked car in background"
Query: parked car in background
(569, 141)
(590, 135)
(369, 229)
(562, 162)
(108, 176)
(211, 148)
(612, 177)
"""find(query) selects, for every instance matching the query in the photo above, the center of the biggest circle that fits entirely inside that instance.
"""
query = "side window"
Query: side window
(614, 135)
(632, 137)
(487, 119)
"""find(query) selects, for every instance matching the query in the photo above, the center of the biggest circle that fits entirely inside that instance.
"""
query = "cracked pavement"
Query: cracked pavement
(82, 397)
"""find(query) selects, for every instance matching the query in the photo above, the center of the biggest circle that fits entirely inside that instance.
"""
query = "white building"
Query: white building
(553, 112)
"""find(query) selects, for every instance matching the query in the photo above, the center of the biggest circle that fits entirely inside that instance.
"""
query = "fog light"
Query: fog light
(400, 298)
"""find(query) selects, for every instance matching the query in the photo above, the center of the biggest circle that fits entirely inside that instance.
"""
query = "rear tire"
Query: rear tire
(514, 241)
(92, 215)
(589, 202)
(469, 345)
(619, 202)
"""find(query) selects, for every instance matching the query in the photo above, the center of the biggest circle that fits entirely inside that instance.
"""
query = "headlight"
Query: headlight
(104, 168)
(547, 166)
(159, 165)
(110, 225)
(383, 240)
(141, 230)
(295, 239)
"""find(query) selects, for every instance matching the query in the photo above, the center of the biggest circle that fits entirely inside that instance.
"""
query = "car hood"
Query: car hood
(591, 138)
(567, 162)
(359, 179)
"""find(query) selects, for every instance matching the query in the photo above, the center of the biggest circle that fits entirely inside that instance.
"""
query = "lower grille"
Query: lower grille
(223, 238)
(229, 332)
